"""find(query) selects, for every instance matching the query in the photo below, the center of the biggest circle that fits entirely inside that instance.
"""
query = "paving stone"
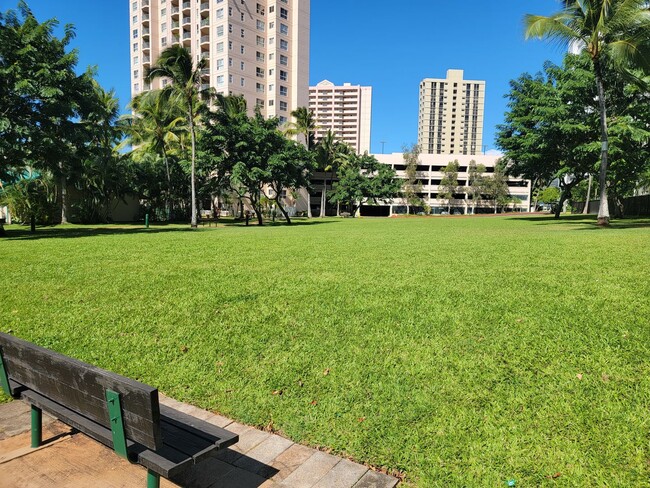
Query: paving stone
(248, 439)
(344, 475)
(286, 463)
(238, 478)
(310, 473)
(204, 474)
(256, 460)
(373, 479)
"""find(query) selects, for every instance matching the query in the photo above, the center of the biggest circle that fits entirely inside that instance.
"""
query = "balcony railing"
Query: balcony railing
(175, 10)
(205, 55)
(187, 20)
(186, 5)
(205, 5)
(205, 22)
(187, 35)
(205, 39)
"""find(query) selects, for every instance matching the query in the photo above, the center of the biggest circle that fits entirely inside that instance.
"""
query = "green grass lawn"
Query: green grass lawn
(457, 351)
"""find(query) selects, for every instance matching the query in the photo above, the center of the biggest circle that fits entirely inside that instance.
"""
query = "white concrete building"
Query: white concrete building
(257, 48)
(431, 172)
(451, 114)
(345, 110)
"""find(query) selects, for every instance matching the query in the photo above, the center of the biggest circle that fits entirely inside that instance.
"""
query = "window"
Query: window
(271, 71)
(242, 82)
(242, 16)
(220, 80)
(283, 91)
(134, 6)
(219, 64)
(230, 11)
(163, 12)
(272, 9)
(284, 29)
(284, 61)
(271, 87)
(163, 41)
(135, 33)
(136, 73)
(271, 56)
(219, 13)
(242, 33)
(260, 57)
(242, 49)
(136, 87)
(229, 61)
(134, 19)
(164, 82)
(284, 13)
(241, 65)
(230, 28)
(283, 106)
(259, 88)
(271, 40)
(135, 46)
(163, 27)
(284, 45)
(230, 78)
(283, 119)
(136, 60)
(230, 45)
(260, 25)
(260, 9)
(283, 75)
(219, 47)
(259, 72)
(271, 25)
(271, 103)
(259, 102)
(260, 41)
(219, 30)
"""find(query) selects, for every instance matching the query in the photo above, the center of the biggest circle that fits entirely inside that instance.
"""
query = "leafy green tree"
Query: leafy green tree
(305, 125)
(330, 153)
(176, 64)
(155, 127)
(41, 100)
(31, 199)
(476, 183)
(496, 189)
(449, 184)
(550, 195)
(613, 32)
(412, 186)
(364, 179)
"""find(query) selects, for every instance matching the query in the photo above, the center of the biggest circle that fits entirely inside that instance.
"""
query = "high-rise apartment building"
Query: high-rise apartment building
(345, 110)
(451, 115)
(259, 48)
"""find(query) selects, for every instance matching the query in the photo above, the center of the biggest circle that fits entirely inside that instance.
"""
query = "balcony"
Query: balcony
(175, 12)
(205, 72)
(146, 59)
(205, 86)
(145, 5)
(187, 35)
(176, 39)
(205, 23)
(205, 55)
(187, 20)
(145, 19)
(205, 6)
(146, 32)
(175, 25)
(187, 5)
(205, 39)
(146, 46)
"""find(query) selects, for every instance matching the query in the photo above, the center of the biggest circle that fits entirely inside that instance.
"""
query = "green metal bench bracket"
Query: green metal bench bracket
(4, 377)
(117, 423)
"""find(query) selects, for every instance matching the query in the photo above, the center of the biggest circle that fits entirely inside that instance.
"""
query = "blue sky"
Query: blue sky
(389, 46)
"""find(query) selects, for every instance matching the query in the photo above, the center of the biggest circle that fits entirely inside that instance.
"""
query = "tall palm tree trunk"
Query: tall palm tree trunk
(585, 210)
(64, 200)
(193, 223)
(169, 185)
(323, 199)
(603, 210)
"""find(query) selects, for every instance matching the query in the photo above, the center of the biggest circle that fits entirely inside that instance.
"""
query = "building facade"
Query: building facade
(345, 110)
(451, 114)
(430, 173)
(259, 48)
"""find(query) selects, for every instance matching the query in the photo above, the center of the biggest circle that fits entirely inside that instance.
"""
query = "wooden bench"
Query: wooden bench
(119, 412)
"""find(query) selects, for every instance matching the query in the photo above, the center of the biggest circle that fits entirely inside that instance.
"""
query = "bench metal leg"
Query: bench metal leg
(153, 479)
(37, 423)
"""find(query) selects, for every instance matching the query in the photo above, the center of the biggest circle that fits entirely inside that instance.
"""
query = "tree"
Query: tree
(154, 127)
(329, 153)
(449, 184)
(476, 183)
(41, 100)
(613, 32)
(31, 199)
(412, 186)
(364, 179)
(550, 195)
(176, 64)
(305, 125)
(496, 187)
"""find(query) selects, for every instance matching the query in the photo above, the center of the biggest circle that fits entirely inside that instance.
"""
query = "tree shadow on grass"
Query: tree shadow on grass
(55, 232)
(279, 223)
(588, 222)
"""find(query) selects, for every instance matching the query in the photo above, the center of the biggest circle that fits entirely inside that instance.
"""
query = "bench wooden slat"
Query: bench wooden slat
(216, 435)
(82, 386)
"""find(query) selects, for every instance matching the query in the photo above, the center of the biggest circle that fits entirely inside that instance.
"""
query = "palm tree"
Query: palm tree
(612, 31)
(304, 125)
(155, 124)
(176, 64)
(328, 156)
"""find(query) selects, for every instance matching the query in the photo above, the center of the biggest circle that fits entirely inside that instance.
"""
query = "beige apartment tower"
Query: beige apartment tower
(345, 110)
(259, 48)
(451, 115)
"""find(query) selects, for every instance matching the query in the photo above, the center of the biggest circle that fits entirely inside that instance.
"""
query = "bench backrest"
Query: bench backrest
(82, 387)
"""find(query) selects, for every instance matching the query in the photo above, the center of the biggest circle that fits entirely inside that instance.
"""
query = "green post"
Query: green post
(37, 422)
(146, 221)
(153, 479)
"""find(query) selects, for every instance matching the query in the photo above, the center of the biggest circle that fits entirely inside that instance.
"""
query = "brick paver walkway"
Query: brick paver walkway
(259, 459)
